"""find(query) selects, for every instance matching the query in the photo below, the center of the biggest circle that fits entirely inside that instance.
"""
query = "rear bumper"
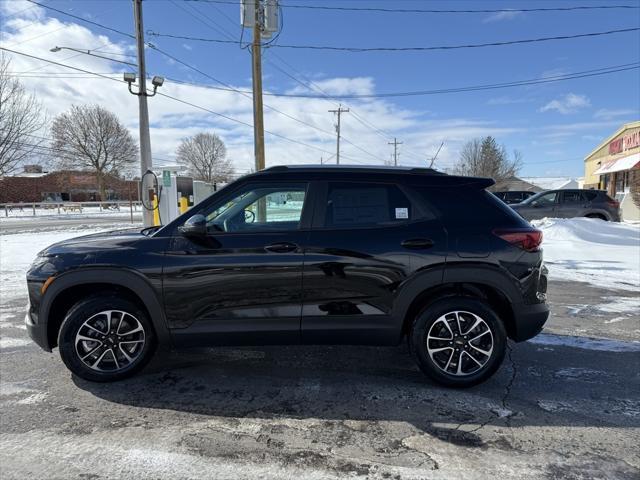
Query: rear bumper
(529, 320)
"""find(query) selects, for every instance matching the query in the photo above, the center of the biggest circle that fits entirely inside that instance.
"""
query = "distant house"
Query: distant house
(515, 184)
(553, 183)
(34, 185)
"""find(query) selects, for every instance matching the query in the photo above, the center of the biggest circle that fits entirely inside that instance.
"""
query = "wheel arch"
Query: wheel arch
(482, 282)
(69, 288)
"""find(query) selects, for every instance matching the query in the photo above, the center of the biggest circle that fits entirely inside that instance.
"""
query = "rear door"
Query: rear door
(571, 204)
(367, 238)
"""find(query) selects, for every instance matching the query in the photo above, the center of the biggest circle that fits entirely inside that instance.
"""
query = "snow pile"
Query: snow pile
(605, 254)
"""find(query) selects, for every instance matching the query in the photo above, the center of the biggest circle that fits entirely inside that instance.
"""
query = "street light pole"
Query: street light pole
(145, 140)
(89, 52)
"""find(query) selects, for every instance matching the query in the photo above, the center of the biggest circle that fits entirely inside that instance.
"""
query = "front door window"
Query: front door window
(259, 208)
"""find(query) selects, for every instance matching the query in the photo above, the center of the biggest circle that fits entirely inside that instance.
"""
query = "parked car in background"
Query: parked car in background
(569, 204)
(311, 255)
(515, 196)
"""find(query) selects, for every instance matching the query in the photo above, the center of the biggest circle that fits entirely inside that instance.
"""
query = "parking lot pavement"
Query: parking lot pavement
(562, 407)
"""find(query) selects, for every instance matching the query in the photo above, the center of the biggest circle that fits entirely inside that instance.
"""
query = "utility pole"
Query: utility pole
(395, 144)
(339, 111)
(145, 141)
(258, 120)
(433, 159)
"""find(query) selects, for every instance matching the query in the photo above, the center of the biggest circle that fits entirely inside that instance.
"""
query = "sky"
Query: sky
(554, 125)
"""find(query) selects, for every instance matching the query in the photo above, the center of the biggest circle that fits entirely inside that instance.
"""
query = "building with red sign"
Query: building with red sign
(614, 166)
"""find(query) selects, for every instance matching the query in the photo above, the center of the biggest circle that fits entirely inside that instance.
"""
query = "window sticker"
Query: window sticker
(402, 213)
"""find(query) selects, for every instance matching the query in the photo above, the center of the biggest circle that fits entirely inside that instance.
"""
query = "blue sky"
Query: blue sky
(554, 125)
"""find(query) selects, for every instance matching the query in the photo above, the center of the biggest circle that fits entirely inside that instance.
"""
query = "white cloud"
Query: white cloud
(21, 8)
(569, 103)
(186, 46)
(610, 114)
(502, 16)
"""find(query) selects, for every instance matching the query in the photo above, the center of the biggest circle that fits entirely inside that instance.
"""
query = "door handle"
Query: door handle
(417, 243)
(282, 247)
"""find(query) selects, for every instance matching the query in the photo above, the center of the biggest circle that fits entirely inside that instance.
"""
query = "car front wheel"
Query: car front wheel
(106, 338)
(458, 341)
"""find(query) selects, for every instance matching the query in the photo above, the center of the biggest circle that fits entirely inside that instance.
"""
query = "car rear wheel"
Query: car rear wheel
(596, 215)
(458, 341)
(106, 338)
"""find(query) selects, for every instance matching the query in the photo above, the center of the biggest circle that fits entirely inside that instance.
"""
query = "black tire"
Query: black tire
(91, 307)
(432, 365)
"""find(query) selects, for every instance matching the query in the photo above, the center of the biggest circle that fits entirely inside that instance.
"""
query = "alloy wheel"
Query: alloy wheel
(460, 343)
(110, 341)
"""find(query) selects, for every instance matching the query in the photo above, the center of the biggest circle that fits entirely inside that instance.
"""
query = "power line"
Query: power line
(172, 98)
(420, 10)
(517, 83)
(408, 49)
(83, 19)
(248, 95)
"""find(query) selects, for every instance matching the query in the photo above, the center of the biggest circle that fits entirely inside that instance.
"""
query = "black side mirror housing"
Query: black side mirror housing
(195, 226)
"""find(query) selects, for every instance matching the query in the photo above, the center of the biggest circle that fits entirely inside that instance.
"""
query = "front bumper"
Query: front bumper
(37, 331)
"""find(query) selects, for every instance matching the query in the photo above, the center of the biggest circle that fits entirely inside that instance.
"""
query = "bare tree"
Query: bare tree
(92, 138)
(485, 158)
(21, 116)
(205, 156)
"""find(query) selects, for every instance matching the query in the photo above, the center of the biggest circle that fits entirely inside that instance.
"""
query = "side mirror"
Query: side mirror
(535, 204)
(195, 226)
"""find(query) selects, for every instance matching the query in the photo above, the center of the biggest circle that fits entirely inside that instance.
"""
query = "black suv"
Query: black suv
(310, 255)
(514, 196)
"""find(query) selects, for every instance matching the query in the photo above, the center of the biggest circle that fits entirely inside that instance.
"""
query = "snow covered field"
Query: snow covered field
(604, 254)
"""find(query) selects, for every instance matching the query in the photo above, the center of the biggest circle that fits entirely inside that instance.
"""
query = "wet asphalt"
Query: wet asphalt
(565, 406)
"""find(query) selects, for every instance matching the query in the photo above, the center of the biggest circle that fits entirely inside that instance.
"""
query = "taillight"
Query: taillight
(528, 239)
(613, 203)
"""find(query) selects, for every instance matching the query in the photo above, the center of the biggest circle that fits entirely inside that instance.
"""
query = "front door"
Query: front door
(544, 206)
(367, 239)
(242, 283)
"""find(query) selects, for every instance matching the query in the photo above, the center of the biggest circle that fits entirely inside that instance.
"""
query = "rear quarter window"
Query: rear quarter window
(469, 206)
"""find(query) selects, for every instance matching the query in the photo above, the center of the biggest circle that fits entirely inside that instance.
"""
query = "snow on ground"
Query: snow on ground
(586, 343)
(6, 215)
(605, 254)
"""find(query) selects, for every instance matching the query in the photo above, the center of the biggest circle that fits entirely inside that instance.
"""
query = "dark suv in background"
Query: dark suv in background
(514, 196)
(310, 255)
(569, 204)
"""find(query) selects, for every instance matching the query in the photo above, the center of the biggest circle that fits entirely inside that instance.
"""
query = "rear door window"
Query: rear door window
(513, 197)
(352, 205)
(571, 197)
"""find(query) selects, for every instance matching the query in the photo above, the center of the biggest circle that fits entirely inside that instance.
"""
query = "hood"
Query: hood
(96, 242)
